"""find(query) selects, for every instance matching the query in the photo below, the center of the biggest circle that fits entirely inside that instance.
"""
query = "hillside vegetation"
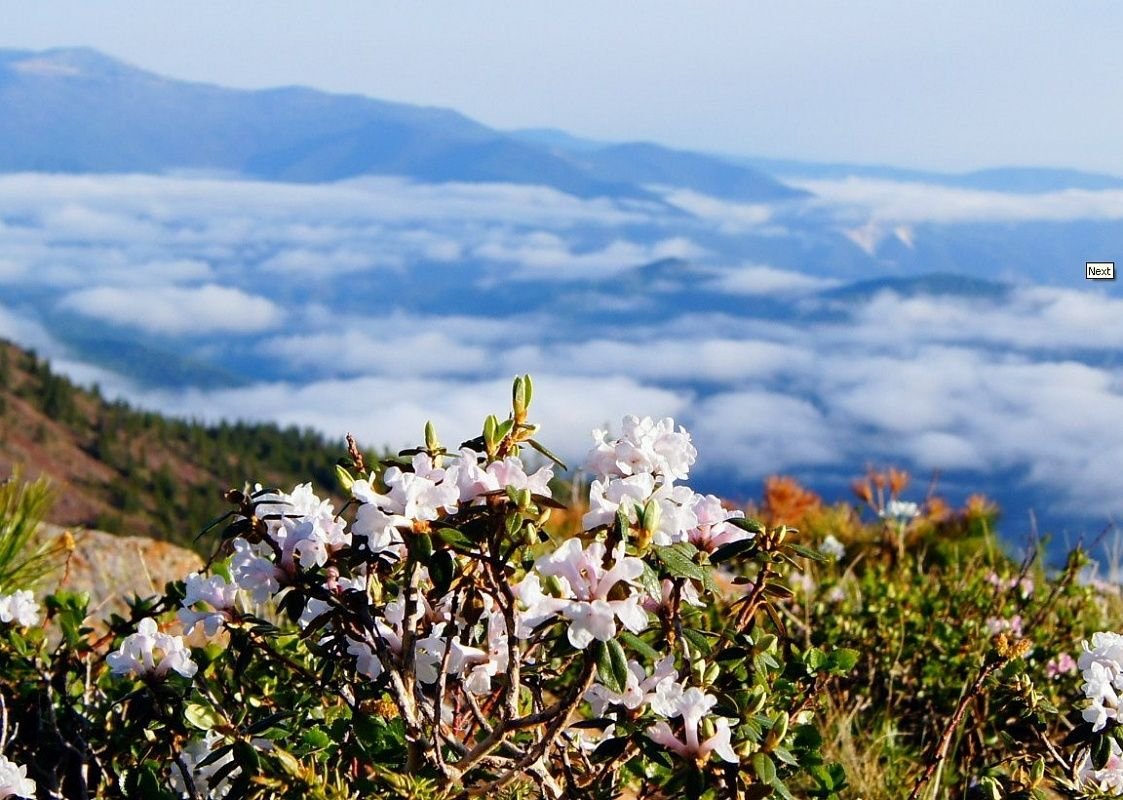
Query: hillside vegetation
(122, 470)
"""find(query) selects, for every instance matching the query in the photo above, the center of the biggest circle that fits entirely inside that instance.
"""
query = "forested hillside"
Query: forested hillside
(122, 470)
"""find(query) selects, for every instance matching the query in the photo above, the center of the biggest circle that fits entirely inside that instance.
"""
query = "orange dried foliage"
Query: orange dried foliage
(979, 506)
(786, 502)
(898, 479)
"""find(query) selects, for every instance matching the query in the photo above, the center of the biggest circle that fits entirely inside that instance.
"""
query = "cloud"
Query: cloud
(393, 411)
(1030, 318)
(763, 280)
(909, 202)
(173, 311)
(416, 352)
(667, 360)
(547, 256)
(730, 217)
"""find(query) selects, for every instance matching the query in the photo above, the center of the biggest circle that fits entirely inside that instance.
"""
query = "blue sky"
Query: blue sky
(954, 85)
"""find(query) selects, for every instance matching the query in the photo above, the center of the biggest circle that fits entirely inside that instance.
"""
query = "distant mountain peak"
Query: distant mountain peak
(68, 62)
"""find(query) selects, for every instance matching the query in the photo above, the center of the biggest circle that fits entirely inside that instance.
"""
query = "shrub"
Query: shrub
(455, 631)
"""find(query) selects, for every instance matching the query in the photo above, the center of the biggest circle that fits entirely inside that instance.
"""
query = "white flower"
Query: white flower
(149, 652)
(253, 572)
(832, 548)
(671, 700)
(1101, 665)
(900, 511)
(417, 496)
(638, 690)
(586, 584)
(380, 528)
(631, 494)
(712, 524)
(202, 777)
(19, 607)
(688, 593)
(215, 592)
(1108, 780)
(645, 446)
(14, 781)
(367, 661)
(473, 481)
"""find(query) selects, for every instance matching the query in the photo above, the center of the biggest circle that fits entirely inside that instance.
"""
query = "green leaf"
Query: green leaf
(442, 569)
(650, 582)
(764, 768)
(202, 716)
(815, 659)
(619, 663)
(639, 646)
(698, 640)
(316, 739)
(610, 749)
(541, 449)
(749, 524)
(843, 660)
(612, 665)
(421, 546)
(456, 539)
(730, 551)
(807, 552)
(680, 562)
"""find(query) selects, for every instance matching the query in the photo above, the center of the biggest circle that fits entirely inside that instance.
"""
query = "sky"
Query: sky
(950, 86)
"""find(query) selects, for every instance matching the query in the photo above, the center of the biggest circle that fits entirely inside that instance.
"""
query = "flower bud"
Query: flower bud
(755, 700)
(711, 673)
(1037, 772)
(779, 728)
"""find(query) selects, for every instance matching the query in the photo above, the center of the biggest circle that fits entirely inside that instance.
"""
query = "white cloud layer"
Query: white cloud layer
(174, 311)
(899, 201)
(1030, 383)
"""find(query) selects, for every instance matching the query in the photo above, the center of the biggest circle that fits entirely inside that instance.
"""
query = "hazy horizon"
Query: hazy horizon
(954, 88)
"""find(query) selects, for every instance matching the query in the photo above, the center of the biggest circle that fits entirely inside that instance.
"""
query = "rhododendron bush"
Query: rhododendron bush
(439, 635)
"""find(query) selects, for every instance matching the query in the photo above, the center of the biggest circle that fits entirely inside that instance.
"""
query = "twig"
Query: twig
(941, 751)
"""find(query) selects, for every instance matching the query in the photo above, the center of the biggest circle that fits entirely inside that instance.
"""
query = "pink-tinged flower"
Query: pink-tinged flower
(19, 607)
(214, 592)
(474, 481)
(422, 495)
(644, 446)
(586, 585)
(670, 700)
(1063, 664)
(1109, 779)
(151, 653)
(482, 665)
(688, 594)
(638, 690)
(631, 494)
(1013, 625)
(712, 524)
(14, 781)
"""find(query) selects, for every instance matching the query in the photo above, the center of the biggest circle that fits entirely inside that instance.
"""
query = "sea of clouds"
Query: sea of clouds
(308, 281)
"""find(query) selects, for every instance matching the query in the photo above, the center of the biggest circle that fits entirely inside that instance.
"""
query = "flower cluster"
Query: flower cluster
(19, 607)
(151, 653)
(14, 781)
(635, 475)
(1101, 666)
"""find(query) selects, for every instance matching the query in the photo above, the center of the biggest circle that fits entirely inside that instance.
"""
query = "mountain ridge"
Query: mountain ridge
(77, 110)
